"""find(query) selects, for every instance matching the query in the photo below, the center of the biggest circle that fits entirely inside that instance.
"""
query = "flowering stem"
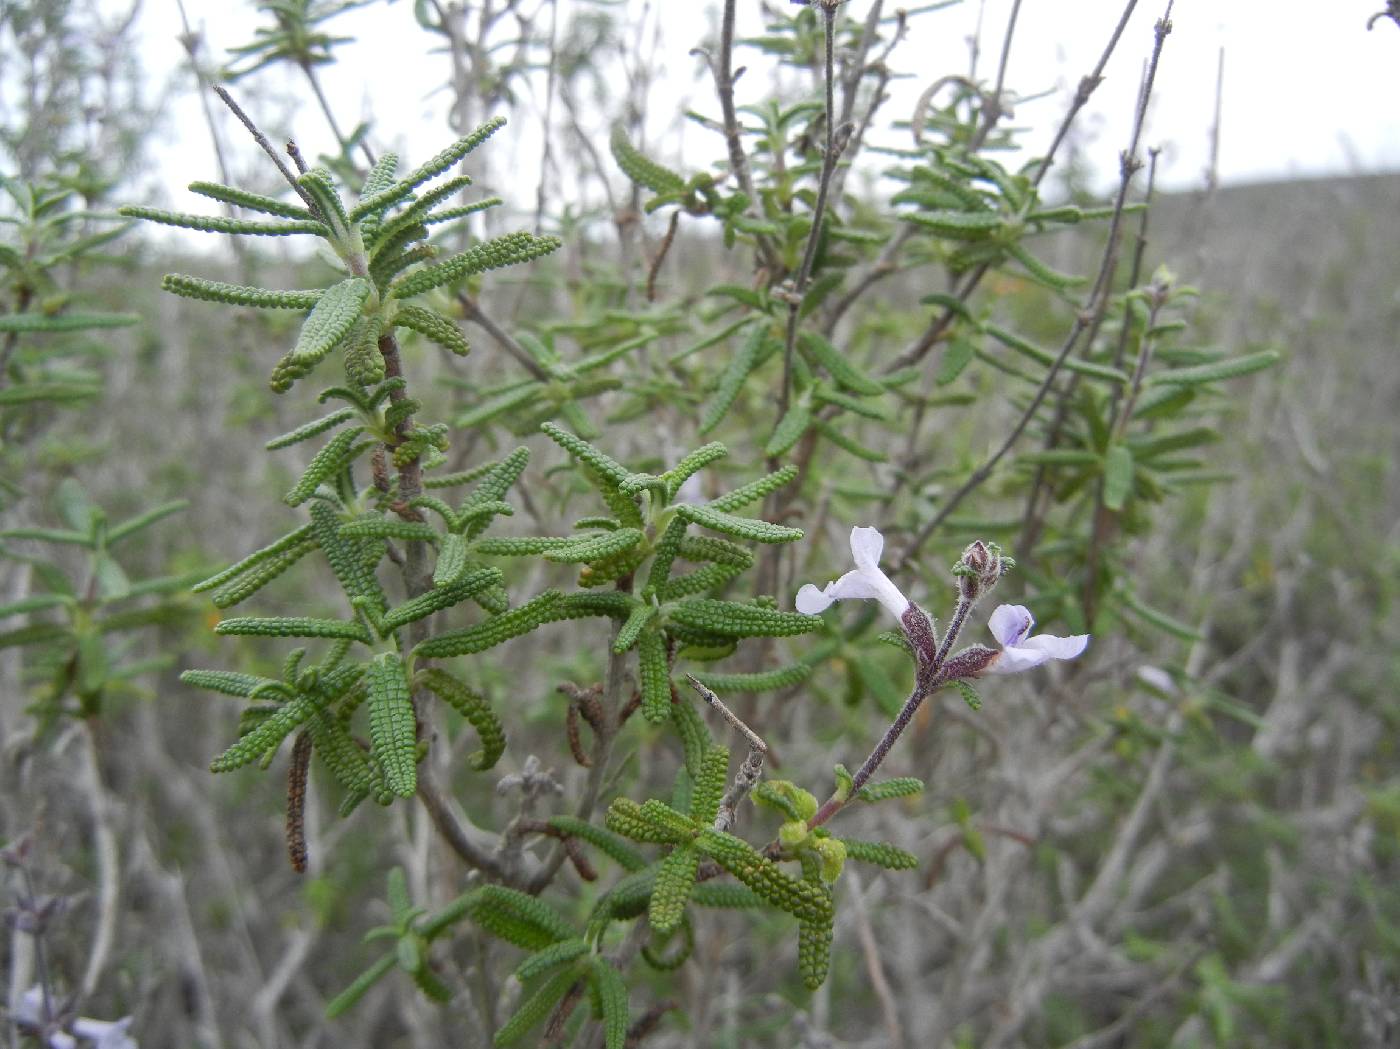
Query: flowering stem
(928, 679)
(954, 629)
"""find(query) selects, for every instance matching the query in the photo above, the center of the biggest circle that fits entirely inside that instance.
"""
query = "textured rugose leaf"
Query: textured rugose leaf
(735, 619)
(655, 672)
(675, 879)
(392, 726)
(332, 318)
(612, 997)
(741, 527)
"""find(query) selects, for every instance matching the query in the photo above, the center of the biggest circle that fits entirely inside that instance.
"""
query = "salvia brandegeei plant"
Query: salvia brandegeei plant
(647, 562)
(686, 567)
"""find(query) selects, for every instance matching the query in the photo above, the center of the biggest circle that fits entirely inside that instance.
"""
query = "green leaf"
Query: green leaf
(955, 358)
(709, 785)
(736, 619)
(1043, 274)
(613, 845)
(48, 392)
(726, 897)
(899, 787)
(44, 323)
(252, 201)
(340, 753)
(506, 250)
(695, 735)
(535, 1008)
(891, 857)
(837, 364)
(438, 598)
(34, 603)
(1046, 358)
(754, 490)
(332, 318)
(517, 917)
(142, 521)
(711, 577)
(266, 735)
(477, 711)
(1160, 620)
(34, 634)
(49, 535)
(219, 224)
(293, 626)
(522, 545)
(250, 579)
(311, 429)
(958, 225)
(434, 326)
(732, 380)
(740, 527)
(77, 510)
(551, 957)
(492, 632)
(693, 463)
(330, 460)
(359, 987)
(376, 199)
(452, 560)
(848, 444)
(595, 548)
(393, 728)
(1220, 370)
(606, 466)
(814, 951)
(640, 168)
(806, 901)
(1117, 476)
(239, 295)
(612, 996)
(631, 630)
(626, 817)
(654, 669)
(675, 879)
(346, 557)
(969, 694)
(761, 681)
(790, 428)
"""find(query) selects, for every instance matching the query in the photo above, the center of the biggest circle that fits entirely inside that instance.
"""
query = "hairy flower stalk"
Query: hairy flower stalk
(977, 571)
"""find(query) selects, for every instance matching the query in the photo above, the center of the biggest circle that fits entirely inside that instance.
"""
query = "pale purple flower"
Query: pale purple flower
(1010, 625)
(865, 582)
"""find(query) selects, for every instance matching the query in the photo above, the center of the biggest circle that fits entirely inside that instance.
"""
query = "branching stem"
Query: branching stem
(749, 771)
(1089, 316)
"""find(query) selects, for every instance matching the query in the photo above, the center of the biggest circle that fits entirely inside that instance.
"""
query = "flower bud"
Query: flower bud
(979, 568)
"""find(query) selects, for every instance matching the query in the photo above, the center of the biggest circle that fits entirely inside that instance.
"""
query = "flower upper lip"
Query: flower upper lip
(865, 581)
(1010, 625)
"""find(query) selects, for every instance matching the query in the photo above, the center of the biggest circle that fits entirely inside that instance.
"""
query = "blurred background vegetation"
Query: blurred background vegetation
(1191, 839)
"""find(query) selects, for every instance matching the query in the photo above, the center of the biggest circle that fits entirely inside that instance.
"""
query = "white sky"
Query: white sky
(1305, 93)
